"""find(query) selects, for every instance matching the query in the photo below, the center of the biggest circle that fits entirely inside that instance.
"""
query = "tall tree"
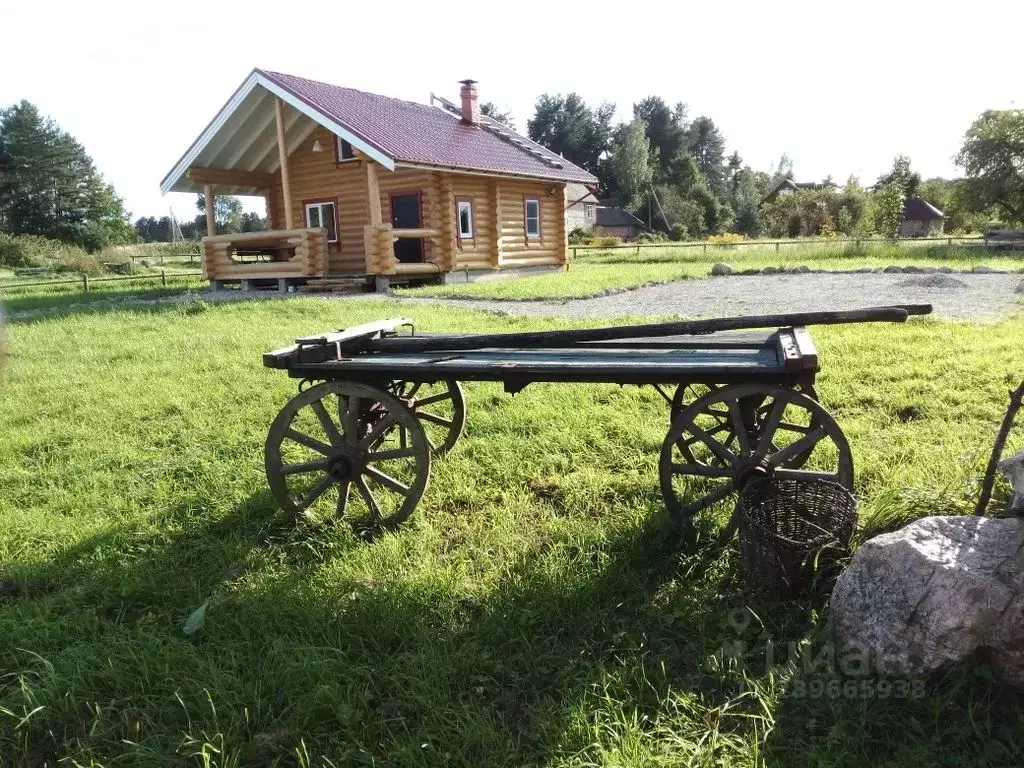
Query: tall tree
(632, 165)
(490, 109)
(49, 185)
(902, 176)
(665, 129)
(227, 213)
(889, 209)
(565, 124)
(992, 156)
(707, 145)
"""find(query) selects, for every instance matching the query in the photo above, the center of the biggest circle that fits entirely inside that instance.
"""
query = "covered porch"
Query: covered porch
(258, 146)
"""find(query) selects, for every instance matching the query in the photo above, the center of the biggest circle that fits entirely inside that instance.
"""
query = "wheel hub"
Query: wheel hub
(746, 470)
(343, 466)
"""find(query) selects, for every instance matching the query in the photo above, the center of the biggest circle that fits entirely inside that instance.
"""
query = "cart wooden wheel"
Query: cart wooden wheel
(687, 394)
(334, 450)
(440, 408)
(738, 433)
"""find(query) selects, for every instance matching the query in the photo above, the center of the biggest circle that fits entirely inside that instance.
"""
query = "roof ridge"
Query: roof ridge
(346, 88)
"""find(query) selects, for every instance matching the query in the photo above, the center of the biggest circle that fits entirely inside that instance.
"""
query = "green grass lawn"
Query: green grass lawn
(536, 609)
(599, 271)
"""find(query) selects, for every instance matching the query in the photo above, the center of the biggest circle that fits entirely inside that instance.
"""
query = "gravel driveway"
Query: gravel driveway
(969, 296)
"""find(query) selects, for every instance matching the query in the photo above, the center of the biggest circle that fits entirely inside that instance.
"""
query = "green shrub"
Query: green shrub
(650, 237)
(578, 236)
(53, 255)
(607, 241)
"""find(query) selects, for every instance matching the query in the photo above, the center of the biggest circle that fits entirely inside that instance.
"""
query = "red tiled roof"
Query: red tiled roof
(415, 133)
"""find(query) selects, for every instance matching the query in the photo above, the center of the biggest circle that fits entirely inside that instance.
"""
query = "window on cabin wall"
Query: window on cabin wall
(464, 213)
(323, 214)
(531, 213)
(343, 150)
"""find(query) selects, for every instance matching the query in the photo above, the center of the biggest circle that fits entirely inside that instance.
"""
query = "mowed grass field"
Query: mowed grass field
(594, 272)
(537, 609)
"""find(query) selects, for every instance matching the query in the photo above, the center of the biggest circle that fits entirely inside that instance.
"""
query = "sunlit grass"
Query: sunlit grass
(535, 610)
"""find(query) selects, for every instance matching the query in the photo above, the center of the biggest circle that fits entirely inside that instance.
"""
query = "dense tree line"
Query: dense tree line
(676, 174)
(49, 185)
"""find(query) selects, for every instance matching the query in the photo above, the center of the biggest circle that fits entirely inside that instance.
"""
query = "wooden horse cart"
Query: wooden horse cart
(378, 402)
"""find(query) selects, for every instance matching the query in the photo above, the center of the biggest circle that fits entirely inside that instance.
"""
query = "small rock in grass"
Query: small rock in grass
(929, 270)
(750, 272)
(983, 269)
(865, 270)
(771, 270)
(721, 268)
(912, 270)
(946, 270)
(803, 268)
(893, 270)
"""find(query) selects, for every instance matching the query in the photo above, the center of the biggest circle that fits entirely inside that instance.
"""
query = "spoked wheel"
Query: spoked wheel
(738, 433)
(335, 450)
(686, 394)
(440, 408)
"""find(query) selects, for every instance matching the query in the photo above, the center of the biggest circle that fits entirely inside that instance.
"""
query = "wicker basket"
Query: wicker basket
(788, 525)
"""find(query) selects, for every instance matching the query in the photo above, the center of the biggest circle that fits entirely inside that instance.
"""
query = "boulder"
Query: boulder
(912, 270)
(983, 269)
(721, 268)
(802, 269)
(865, 270)
(771, 270)
(945, 269)
(893, 270)
(1013, 470)
(932, 594)
(929, 270)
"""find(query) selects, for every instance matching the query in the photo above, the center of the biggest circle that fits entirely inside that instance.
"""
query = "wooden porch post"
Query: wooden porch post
(282, 150)
(373, 189)
(211, 222)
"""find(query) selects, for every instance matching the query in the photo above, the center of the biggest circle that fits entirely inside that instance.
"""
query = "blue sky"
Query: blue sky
(840, 88)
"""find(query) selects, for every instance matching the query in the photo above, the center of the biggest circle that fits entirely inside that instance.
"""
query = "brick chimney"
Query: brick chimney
(470, 104)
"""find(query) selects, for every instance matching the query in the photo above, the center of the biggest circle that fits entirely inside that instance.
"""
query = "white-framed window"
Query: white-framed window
(464, 213)
(590, 210)
(531, 213)
(343, 151)
(323, 214)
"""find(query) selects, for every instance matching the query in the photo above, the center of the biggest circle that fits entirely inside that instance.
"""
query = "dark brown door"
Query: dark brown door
(405, 214)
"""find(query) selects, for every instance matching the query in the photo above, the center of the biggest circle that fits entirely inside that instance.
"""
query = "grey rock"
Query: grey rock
(721, 268)
(803, 268)
(945, 269)
(983, 269)
(929, 270)
(1013, 470)
(932, 594)
(771, 270)
(865, 270)
(893, 270)
(912, 270)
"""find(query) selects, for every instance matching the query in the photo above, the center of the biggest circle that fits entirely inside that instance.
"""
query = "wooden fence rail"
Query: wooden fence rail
(85, 281)
(704, 245)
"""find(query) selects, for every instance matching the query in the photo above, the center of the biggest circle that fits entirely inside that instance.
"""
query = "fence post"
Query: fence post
(574, 253)
(705, 249)
(163, 276)
(85, 283)
(638, 250)
(777, 247)
(950, 243)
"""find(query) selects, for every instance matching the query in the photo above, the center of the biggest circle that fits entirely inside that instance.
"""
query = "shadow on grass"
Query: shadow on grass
(577, 650)
(20, 307)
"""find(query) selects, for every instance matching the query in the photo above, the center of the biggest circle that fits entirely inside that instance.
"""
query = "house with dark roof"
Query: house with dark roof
(361, 184)
(788, 187)
(616, 221)
(920, 219)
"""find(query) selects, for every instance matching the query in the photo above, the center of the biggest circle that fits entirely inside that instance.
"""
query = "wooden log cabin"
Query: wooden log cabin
(362, 185)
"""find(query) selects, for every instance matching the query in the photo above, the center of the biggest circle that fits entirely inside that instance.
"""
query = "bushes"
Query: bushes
(580, 237)
(18, 251)
(728, 238)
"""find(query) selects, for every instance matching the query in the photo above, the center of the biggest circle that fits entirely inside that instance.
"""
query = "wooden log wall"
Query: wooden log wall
(308, 248)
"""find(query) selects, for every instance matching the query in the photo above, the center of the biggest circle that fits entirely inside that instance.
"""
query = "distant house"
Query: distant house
(920, 219)
(616, 221)
(788, 187)
(580, 207)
